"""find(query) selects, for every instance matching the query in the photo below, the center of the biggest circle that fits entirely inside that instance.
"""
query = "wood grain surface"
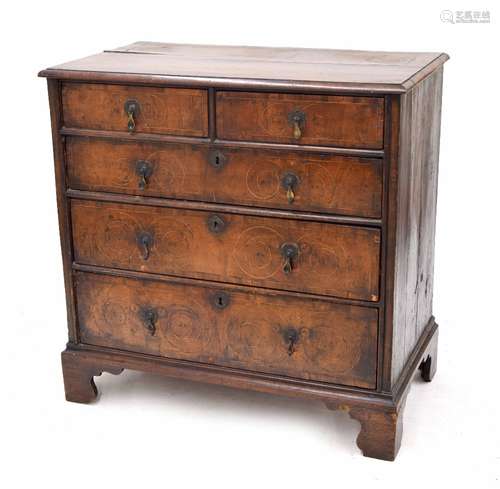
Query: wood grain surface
(334, 343)
(416, 218)
(332, 259)
(186, 254)
(352, 122)
(259, 67)
(326, 183)
(175, 111)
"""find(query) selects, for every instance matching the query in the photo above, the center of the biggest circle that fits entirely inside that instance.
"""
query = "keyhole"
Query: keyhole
(220, 300)
(216, 224)
(217, 159)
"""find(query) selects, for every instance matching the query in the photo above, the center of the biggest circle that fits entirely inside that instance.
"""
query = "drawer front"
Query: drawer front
(280, 179)
(284, 254)
(175, 111)
(351, 122)
(307, 339)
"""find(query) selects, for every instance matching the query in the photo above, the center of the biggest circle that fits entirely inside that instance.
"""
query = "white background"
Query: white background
(149, 431)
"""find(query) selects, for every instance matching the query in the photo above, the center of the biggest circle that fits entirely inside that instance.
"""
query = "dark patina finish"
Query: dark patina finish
(260, 218)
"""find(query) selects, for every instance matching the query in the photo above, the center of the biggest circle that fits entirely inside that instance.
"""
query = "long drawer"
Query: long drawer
(286, 254)
(155, 110)
(313, 340)
(276, 179)
(351, 122)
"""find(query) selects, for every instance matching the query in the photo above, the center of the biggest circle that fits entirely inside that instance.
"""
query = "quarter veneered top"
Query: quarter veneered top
(243, 66)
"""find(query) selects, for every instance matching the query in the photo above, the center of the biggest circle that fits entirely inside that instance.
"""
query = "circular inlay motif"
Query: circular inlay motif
(263, 180)
(257, 252)
(173, 238)
(183, 330)
(170, 169)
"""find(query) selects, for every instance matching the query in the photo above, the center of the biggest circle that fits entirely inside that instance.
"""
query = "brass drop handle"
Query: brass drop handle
(130, 121)
(289, 182)
(145, 242)
(296, 130)
(144, 170)
(297, 119)
(291, 336)
(289, 251)
(132, 109)
(149, 317)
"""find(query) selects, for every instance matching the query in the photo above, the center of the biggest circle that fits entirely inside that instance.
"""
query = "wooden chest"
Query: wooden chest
(258, 218)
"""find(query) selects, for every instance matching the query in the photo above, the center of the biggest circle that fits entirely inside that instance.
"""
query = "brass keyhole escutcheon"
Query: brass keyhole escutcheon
(220, 300)
(217, 159)
(216, 224)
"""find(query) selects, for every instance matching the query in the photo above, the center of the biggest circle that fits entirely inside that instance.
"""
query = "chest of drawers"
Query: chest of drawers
(253, 217)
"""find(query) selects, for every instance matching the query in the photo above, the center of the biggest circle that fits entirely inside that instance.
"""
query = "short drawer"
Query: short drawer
(307, 339)
(351, 122)
(286, 254)
(174, 111)
(276, 179)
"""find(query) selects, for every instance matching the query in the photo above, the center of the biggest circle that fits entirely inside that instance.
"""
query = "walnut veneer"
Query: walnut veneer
(253, 217)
